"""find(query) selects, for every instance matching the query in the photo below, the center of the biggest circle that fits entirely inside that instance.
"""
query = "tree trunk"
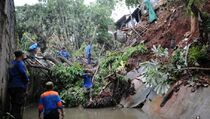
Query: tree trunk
(194, 25)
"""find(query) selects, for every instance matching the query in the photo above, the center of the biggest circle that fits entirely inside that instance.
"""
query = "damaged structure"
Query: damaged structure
(185, 98)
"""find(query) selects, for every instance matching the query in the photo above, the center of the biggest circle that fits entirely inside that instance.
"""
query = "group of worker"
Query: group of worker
(64, 53)
(50, 104)
(33, 50)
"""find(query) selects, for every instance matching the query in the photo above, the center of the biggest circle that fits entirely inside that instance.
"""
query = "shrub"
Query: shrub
(197, 53)
(160, 51)
(67, 75)
(73, 97)
(118, 59)
(178, 58)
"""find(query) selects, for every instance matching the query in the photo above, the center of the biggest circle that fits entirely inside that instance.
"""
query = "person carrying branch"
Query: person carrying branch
(50, 103)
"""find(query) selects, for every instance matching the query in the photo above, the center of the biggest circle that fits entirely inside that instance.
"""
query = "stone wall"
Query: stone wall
(7, 43)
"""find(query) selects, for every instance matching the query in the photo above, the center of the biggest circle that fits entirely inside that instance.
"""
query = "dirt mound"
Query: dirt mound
(169, 29)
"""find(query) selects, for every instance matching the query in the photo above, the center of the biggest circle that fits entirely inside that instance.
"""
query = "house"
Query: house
(129, 20)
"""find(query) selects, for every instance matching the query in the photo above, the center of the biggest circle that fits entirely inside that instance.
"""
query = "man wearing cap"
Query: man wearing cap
(50, 103)
(17, 84)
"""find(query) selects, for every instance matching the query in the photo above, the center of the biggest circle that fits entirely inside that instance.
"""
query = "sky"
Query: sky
(120, 10)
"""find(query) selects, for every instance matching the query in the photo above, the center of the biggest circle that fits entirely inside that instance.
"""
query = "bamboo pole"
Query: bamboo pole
(98, 66)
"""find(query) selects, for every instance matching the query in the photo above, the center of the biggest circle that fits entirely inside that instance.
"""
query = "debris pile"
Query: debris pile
(171, 31)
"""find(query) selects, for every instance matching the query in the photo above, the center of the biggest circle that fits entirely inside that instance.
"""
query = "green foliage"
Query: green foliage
(197, 53)
(133, 3)
(81, 52)
(68, 75)
(160, 51)
(131, 51)
(74, 96)
(159, 75)
(206, 22)
(26, 40)
(178, 58)
(70, 79)
(69, 21)
(153, 76)
(193, 2)
(108, 3)
(101, 13)
(118, 59)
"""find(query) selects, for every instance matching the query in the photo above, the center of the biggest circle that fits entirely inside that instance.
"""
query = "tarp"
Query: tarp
(152, 14)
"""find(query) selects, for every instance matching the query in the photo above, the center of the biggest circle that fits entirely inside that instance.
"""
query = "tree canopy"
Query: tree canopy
(71, 21)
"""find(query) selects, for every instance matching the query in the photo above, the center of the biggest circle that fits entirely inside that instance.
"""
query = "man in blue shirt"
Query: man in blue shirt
(88, 84)
(64, 53)
(50, 103)
(88, 52)
(17, 85)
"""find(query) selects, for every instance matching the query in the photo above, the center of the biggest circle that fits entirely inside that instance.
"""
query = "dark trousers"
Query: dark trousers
(52, 115)
(17, 100)
(88, 93)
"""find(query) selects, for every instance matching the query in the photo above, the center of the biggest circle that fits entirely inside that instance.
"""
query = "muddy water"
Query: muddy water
(107, 113)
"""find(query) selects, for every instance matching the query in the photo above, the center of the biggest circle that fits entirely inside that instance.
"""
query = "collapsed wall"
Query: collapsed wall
(7, 43)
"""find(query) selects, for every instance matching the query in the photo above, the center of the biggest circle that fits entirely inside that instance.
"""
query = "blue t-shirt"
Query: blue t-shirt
(64, 53)
(87, 81)
(18, 75)
(49, 101)
(88, 50)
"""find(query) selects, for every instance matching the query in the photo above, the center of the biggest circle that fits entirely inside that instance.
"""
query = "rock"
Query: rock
(134, 73)
(143, 94)
(120, 36)
(7, 43)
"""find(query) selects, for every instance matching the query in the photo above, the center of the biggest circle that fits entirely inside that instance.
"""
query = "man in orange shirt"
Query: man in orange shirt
(50, 103)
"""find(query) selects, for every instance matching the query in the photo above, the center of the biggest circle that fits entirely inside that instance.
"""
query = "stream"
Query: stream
(105, 113)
